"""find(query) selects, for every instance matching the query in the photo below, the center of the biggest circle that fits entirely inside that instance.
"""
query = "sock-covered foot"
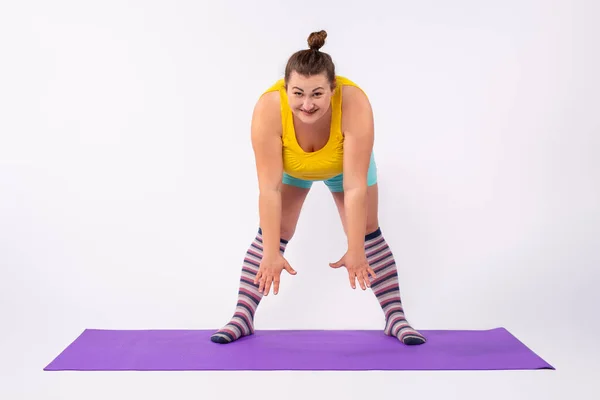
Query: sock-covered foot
(242, 322)
(387, 290)
(397, 325)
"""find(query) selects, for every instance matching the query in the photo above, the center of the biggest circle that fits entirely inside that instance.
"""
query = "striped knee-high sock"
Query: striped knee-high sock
(387, 290)
(242, 322)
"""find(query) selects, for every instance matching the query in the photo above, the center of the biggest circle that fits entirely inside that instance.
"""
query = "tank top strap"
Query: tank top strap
(277, 86)
(336, 103)
(286, 111)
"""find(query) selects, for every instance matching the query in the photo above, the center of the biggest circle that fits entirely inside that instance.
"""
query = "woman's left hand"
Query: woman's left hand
(358, 268)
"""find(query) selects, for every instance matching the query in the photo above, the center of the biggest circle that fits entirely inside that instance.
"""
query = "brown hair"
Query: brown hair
(312, 61)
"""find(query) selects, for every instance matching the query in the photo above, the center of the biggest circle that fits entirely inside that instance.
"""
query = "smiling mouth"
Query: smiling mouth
(309, 112)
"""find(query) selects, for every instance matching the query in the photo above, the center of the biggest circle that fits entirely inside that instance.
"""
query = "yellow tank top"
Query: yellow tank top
(324, 163)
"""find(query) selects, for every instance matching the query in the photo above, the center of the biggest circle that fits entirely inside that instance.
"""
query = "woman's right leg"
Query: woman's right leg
(293, 195)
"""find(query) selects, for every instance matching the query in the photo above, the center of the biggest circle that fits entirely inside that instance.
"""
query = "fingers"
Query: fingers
(259, 279)
(268, 282)
(289, 269)
(366, 278)
(275, 286)
(362, 277)
(352, 277)
(258, 276)
(372, 273)
(363, 280)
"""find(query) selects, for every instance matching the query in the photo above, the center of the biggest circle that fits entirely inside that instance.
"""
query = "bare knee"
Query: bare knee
(372, 227)
(372, 223)
(287, 233)
(292, 200)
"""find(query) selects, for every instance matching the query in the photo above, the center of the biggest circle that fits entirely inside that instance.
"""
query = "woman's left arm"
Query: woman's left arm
(358, 129)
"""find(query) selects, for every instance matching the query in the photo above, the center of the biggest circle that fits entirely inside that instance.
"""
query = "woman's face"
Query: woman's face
(309, 97)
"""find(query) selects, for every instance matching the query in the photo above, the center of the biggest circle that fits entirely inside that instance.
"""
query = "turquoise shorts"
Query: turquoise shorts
(335, 184)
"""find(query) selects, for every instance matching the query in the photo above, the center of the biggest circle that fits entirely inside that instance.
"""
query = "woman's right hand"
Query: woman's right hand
(269, 273)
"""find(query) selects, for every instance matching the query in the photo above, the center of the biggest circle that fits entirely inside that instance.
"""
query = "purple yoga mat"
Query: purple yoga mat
(178, 350)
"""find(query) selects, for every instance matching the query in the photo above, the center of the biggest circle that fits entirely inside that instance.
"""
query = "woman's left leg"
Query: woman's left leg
(381, 259)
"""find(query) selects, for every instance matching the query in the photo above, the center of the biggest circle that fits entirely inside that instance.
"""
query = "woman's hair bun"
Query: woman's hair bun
(316, 40)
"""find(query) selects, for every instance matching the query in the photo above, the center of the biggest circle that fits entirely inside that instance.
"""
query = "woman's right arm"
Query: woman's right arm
(266, 143)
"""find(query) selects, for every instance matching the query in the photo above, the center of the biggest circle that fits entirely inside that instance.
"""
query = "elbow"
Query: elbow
(269, 187)
(270, 190)
(355, 186)
(355, 191)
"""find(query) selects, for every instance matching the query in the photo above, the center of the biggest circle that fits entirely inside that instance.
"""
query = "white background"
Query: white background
(128, 193)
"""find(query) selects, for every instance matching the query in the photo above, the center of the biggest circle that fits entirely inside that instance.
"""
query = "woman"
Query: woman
(315, 126)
